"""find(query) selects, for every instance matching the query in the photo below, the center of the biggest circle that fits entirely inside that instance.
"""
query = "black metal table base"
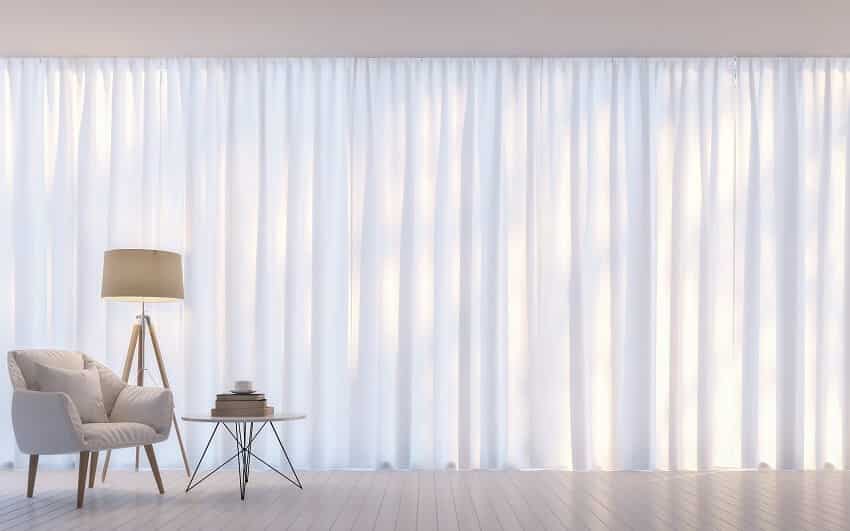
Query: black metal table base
(244, 435)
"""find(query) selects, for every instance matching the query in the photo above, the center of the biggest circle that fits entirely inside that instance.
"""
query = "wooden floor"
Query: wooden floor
(437, 500)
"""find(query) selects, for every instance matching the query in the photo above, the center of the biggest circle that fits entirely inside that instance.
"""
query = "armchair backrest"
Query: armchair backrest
(22, 365)
(23, 375)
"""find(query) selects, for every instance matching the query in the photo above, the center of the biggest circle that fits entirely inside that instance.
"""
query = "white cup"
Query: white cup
(243, 385)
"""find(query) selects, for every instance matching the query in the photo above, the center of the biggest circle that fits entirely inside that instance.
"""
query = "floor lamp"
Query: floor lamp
(144, 276)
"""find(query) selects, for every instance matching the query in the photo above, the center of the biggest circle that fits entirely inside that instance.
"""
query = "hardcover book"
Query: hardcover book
(266, 411)
(240, 405)
(240, 398)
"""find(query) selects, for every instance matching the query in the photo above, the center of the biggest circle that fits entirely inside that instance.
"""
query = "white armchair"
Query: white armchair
(48, 423)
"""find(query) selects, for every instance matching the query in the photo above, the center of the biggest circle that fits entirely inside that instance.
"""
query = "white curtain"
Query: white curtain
(600, 263)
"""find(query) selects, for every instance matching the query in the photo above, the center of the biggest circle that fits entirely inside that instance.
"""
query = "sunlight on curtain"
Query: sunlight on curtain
(577, 263)
(791, 260)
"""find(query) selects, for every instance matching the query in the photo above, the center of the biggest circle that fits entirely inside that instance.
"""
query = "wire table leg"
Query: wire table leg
(240, 464)
(192, 485)
(201, 460)
(243, 434)
(250, 443)
(292, 468)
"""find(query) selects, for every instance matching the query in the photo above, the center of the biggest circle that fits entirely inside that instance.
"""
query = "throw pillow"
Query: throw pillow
(82, 386)
(110, 384)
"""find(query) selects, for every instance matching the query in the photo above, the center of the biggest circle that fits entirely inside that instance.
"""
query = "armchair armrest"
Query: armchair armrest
(147, 405)
(46, 423)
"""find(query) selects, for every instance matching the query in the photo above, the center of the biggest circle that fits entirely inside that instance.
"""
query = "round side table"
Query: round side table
(244, 434)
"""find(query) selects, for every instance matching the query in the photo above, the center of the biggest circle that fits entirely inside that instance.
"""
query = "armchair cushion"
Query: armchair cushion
(152, 406)
(46, 423)
(110, 435)
(82, 386)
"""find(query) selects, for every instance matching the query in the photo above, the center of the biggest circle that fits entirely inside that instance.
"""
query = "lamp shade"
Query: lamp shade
(145, 275)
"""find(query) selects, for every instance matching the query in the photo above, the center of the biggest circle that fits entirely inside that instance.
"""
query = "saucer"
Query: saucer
(251, 392)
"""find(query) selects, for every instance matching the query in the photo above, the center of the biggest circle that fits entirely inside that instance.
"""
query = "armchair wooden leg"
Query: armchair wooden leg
(154, 467)
(31, 477)
(81, 478)
(105, 466)
(92, 469)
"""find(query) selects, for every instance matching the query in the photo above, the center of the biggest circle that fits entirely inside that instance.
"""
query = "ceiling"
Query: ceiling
(422, 28)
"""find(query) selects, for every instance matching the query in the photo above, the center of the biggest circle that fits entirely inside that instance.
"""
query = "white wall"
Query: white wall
(423, 28)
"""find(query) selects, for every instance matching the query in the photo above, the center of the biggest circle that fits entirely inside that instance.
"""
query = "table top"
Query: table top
(278, 417)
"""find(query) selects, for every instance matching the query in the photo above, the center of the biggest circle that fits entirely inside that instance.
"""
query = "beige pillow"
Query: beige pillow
(82, 386)
(110, 384)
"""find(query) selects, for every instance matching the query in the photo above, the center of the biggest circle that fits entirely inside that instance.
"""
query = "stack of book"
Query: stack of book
(241, 405)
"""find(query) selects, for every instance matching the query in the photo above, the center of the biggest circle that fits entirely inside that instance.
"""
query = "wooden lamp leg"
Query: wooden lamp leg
(31, 476)
(81, 478)
(136, 339)
(125, 376)
(165, 383)
(180, 442)
(140, 371)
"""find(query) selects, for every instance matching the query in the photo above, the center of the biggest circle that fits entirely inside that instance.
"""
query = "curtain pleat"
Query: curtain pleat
(472, 263)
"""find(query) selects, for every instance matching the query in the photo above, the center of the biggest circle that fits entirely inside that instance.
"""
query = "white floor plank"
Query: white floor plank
(373, 500)
(409, 503)
(436, 500)
(390, 504)
(355, 502)
(467, 518)
(426, 512)
(522, 484)
(287, 507)
(446, 508)
(487, 518)
(323, 505)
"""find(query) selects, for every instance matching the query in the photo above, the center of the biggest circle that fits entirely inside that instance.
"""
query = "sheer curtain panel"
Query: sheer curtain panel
(473, 263)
